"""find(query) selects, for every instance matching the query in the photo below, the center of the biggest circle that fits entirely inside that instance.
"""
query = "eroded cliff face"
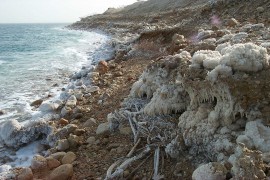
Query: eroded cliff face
(207, 103)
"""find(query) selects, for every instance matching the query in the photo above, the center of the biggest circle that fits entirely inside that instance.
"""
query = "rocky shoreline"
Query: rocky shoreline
(188, 101)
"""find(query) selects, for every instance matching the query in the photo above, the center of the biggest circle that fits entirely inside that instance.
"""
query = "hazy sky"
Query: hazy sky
(35, 11)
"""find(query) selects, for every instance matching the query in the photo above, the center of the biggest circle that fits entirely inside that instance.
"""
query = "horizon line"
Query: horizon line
(36, 22)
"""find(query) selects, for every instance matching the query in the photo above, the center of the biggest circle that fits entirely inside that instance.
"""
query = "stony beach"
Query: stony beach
(186, 96)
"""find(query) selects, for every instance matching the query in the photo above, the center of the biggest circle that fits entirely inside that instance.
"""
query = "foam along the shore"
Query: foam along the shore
(31, 76)
(23, 136)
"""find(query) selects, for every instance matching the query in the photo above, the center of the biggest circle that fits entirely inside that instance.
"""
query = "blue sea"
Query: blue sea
(36, 59)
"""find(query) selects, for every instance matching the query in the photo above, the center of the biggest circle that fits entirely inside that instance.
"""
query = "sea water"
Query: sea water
(36, 61)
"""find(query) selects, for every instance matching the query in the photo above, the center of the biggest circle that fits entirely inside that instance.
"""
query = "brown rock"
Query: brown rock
(91, 140)
(62, 145)
(25, 174)
(1, 112)
(36, 103)
(78, 116)
(102, 67)
(103, 128)
(79, 132)
(90, 122)
(38, 162)
(69, 158)
(63, 172)
(63, 121)
(52, 163)
(58, 155)
(232, 22)
(73, 141)
(119, 73)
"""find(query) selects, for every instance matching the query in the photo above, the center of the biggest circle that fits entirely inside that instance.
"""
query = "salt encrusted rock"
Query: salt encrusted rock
(62, 145)
(66, 94)
(221, 47)
(219, 71)
(266, 35)
(103, 128)
(204, 34)
(25, 174)
(102, 67)
(69, 158)
(225, 38)
(38, 162)
(52, 162)
(245, 57)
(152, 78)
(13, 134)
(58, 155)
(63, 172)
(257, 27)
(167, 99)
(9, 128)
(242, 57)
(247, 164)
(47, 107)
(205, 58)
(239, 37)
(179, 40)
(210, 171)
(256, 135)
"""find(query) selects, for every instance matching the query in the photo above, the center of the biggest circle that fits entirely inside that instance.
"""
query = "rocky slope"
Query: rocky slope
(185, 97)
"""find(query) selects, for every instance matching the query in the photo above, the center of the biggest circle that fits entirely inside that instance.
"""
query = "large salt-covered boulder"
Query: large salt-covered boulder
(48, 107)
(210, 171)
(13, 134)
(245, 57)
(8, 130)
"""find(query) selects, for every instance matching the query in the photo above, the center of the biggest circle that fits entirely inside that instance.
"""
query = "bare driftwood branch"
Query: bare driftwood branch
(120, 170)
(156, 162)
(133, 148)
(138, 167)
